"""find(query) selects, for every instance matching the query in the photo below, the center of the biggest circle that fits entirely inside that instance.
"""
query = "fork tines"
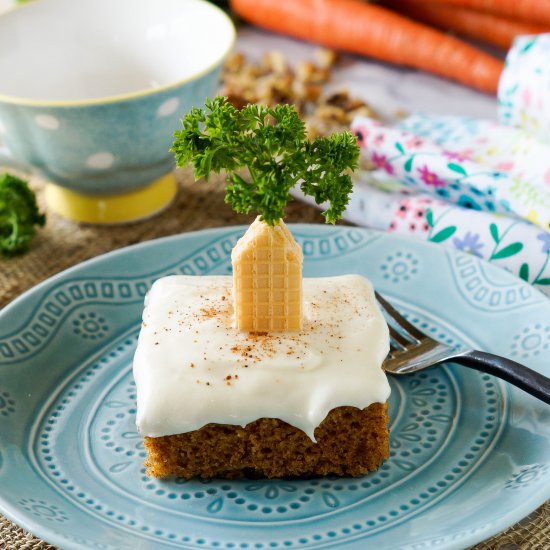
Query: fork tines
(403, 334)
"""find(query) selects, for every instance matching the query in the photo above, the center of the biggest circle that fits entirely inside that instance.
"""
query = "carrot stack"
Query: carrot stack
(484, 26)
(534, 11)
(358, 27)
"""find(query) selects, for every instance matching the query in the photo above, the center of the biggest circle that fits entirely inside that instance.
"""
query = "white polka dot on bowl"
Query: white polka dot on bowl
(47, 121)
(100, 161)
(168, 107)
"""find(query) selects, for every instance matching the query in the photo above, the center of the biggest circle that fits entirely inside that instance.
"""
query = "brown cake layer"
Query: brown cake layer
(350, 442)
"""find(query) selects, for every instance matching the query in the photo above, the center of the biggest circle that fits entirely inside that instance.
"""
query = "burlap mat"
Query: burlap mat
(62, 244)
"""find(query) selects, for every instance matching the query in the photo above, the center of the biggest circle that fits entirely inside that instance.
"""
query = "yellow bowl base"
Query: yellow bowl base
(112, 209)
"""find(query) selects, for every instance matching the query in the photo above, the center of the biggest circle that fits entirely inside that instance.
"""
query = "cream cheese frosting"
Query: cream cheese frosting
(192, 367)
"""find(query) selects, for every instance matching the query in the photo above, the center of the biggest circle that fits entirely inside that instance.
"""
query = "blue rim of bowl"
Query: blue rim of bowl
(14, 100)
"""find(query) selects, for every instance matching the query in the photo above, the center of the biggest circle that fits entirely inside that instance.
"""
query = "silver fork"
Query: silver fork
(412, 351)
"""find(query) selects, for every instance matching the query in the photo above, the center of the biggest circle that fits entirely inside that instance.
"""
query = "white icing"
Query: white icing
(188, 347)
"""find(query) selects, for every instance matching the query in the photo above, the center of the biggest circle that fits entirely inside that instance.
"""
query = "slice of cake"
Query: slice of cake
(215, 400)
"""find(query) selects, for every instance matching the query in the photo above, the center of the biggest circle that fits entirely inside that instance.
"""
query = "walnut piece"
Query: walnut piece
(274, 80)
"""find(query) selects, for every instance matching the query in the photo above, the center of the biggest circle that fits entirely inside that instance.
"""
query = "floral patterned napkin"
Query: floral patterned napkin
(472, 165)
(468, 184)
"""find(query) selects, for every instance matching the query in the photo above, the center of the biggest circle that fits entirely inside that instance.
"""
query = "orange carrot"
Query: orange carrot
(487, 27)
(358, 27)
(535, 11)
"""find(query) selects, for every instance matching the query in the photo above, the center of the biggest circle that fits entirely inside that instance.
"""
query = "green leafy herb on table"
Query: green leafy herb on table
(18, 215)
(272, 144)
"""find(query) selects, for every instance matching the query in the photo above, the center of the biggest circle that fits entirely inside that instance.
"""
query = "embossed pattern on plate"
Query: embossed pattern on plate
(71, 461)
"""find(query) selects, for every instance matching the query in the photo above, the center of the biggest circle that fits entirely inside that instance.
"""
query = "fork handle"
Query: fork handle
(519, 375)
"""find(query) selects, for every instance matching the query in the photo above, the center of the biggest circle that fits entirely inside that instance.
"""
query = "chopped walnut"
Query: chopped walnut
(273, 80)
(235, 62)
(275, 62)
(308, 72)
(326, 58)
(331, 113)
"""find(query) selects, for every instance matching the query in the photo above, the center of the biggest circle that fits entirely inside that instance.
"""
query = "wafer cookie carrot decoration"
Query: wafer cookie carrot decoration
(271, 144)
(267, 279)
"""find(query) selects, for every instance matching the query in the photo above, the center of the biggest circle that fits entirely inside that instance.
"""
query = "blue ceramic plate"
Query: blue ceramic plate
(470, 454)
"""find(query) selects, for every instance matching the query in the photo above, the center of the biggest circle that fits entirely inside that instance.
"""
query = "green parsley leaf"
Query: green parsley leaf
(271, 143)
(18, 215)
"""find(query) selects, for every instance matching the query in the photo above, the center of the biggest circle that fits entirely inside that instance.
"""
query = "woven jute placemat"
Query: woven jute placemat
(62, 244)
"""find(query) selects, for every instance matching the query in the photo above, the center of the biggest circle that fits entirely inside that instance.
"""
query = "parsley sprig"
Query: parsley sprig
(19, 215)
(271, 143)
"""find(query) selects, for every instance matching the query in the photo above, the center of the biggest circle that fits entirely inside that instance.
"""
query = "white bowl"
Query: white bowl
(91, 92)
(70, 50)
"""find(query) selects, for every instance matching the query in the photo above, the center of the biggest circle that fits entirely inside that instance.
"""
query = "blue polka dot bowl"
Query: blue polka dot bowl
(95, 92)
